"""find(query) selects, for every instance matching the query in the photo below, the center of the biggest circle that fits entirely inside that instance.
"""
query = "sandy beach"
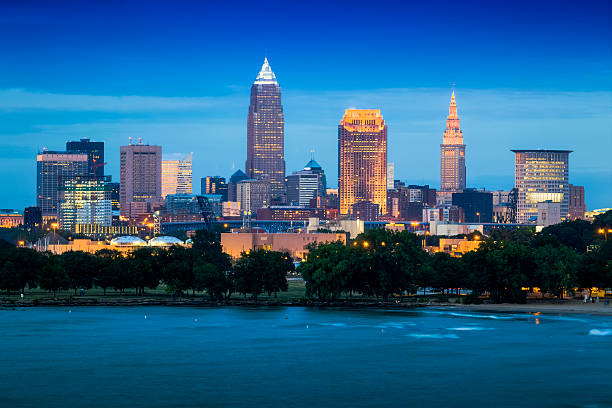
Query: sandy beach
(565, 307)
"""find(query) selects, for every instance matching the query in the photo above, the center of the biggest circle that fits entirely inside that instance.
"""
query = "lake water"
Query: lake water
(301, 357)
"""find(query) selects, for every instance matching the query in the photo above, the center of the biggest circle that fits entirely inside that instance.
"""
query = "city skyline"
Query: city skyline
(505, 104)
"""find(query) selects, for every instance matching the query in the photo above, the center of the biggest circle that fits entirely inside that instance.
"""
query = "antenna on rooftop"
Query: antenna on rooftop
(130, 140)
(140, 140)
(312, 154)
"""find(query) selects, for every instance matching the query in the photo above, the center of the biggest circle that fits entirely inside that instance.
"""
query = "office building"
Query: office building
(452, 153)
(10, 218)
(32, 217)
(365, 211)
(253, 195)
(182, 203)
(540, 176)
(549, 213)
(141, 179)
(477, 205)
(577, 206)
(114, 194)
(266, 132)
(362, 159)
(236, 178)
(215, 185)
(95, 154)
(52, 169)
(306, 185)
(390, 176)
(84, 200)
(177, 176)
(315, 168)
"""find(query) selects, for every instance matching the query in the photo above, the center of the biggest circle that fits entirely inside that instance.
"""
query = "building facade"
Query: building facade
(235, 178)
(214, 185)
(452, 153)
(253, 195)
(32, 217)
(95, 154)
(540, 176)
(477, 205)
(140, 178)
(362, 159)
(52, 169)
(266, 132)
(577, 205)
(84, 200)
(177, 176)
(306, 185)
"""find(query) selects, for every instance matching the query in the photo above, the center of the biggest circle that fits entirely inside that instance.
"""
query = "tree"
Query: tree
(109, 262)
(327, 271)
(262, 271)
(208, 277)
(145, 266)
(576, 234)
(53, 276)
(9, 278)
(80, 267)
(279, 264)
(557, 268)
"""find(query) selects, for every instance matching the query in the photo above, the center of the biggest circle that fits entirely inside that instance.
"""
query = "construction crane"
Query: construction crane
(206, 211)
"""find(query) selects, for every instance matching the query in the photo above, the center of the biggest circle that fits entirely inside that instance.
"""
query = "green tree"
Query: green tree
(208, 277)
(557, 268)
(53, 276)
(9, 277)
(279, 264)
(80, 267)
(109, 263)
(145, 266)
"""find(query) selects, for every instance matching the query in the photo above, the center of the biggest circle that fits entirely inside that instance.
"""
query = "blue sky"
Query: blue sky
(528, 75)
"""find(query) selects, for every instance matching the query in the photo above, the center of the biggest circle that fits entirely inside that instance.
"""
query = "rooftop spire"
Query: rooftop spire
(266, 76)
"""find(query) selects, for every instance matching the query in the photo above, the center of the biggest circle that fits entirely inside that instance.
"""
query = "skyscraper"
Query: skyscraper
(577, 206)
(307, 184)
(266, 132)
(52, 169)
(177, 176)
(452, 153)
(541, 176)
(140, 178)
(85, 200)
(95, 154)
(362, 159)
(214, 185)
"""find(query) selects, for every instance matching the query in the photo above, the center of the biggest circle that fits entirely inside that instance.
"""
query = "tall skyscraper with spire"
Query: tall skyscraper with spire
(266, 132)
(452, 153)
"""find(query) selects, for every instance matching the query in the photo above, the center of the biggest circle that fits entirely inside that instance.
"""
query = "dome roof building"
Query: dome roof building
(127, 241)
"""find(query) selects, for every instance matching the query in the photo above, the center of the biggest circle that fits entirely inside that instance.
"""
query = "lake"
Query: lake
(301, 357)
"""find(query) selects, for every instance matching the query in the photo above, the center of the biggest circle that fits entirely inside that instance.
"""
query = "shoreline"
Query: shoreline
(552, 307)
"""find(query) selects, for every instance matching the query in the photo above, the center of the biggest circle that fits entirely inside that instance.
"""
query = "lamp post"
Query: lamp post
(478, 214)
(604, 232)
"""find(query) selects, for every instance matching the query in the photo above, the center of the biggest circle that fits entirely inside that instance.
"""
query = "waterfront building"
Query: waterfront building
(52, 169)
(140, 176)
(539, 176)
(177, 176)
(95, 154)
(253, 194)
(84, 200)
(362, 159)
(477, 205)
(236, 178)
(32, 217)
(215, 185)
(266, 132)
(577, 206)
(235, 243)
(452, 153)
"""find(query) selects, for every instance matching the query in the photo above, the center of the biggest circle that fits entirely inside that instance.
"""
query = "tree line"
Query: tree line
(507, 264)
(203, 267)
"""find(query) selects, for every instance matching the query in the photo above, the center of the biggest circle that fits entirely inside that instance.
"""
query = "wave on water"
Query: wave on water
(469, 328)
(334, 324)
(432, 336)
(479, 316)
(600, 332)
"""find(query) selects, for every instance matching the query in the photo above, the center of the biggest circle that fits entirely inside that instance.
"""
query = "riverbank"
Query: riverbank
(552, 306)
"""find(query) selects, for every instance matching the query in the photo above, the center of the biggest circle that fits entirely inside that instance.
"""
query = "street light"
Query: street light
(605, 231)
(478, 214)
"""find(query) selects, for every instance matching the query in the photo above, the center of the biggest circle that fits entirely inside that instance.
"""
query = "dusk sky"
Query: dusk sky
(528, 75)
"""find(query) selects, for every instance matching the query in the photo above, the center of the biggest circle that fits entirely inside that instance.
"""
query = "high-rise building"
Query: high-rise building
(32, 217)
(477, 205)
(177, 176)
(305, 185)
(95, 154)
(577, 205)
(253, 194)
(214, 185)
(266, 132)
(452, 153)
(390, 176)
(52, 169)
(114, 194)
(362, 159)
(236, 178)
(541, 176)
(140, 177)
(84, 200)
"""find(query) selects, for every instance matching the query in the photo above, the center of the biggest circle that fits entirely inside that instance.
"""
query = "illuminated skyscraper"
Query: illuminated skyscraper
(541, 176)
(452, 153)
(53, 169)
(140, 177)
(177, 176)
(362, 159)
(85, 200)
(266, 132)
(95, 154)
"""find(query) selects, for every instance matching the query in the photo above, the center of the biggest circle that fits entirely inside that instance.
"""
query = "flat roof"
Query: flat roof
(540, 150)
